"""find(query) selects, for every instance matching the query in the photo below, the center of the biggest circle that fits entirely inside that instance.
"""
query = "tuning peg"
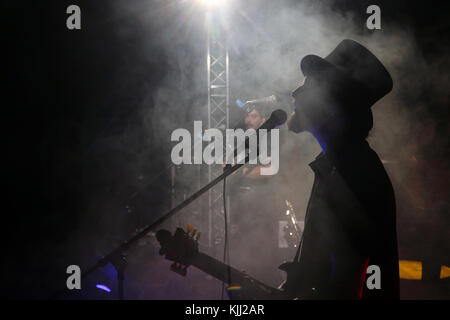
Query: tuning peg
(189, 228)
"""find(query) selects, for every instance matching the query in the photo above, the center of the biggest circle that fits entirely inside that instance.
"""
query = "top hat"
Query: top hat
(350, 61)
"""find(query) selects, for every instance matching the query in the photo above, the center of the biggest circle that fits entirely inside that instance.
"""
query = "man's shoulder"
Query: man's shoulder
(364, 172)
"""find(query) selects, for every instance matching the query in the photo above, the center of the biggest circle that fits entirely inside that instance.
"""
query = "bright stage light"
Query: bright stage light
(211, 3)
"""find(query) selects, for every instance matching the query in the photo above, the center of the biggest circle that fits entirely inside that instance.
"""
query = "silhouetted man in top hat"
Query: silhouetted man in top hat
(350, 221)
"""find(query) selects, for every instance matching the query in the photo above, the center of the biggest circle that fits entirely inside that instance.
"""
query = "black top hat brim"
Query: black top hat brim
(315, 66)
(352, 63)
(312, 64)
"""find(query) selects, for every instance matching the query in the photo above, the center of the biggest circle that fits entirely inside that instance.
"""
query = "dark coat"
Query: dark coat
(350, 223)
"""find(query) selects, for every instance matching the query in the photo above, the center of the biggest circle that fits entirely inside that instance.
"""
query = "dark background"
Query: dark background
(65, 91)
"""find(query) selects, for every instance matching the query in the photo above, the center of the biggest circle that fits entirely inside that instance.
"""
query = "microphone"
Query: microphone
(269, 99)
(277, 118)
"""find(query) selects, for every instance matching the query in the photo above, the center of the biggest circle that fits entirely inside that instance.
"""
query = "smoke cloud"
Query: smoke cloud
(267, 40)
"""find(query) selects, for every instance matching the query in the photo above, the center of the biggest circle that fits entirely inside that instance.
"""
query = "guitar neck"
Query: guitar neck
(232, 276)
(183, 250)
(219, 270)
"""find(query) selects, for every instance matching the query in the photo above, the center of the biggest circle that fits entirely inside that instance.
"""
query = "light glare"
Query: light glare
(103, 287)
(211, 2)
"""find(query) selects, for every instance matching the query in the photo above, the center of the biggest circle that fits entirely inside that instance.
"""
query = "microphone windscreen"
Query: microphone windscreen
(279, 117)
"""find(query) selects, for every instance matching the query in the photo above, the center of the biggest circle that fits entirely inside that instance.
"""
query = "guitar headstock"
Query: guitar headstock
(180, 247)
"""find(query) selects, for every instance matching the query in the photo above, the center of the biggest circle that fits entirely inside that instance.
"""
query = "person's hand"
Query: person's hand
(224, 164)
(232, 165)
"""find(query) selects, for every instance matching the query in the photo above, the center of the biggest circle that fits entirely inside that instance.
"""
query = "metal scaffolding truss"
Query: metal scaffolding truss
(218, 84)
(218, 117)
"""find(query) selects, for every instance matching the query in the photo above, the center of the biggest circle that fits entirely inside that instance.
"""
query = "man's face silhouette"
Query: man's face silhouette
(313, 105)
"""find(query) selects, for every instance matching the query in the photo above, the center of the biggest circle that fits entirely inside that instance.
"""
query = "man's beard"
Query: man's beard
(297, 123)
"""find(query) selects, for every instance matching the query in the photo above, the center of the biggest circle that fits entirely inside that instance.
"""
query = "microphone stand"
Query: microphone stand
(117, 256)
